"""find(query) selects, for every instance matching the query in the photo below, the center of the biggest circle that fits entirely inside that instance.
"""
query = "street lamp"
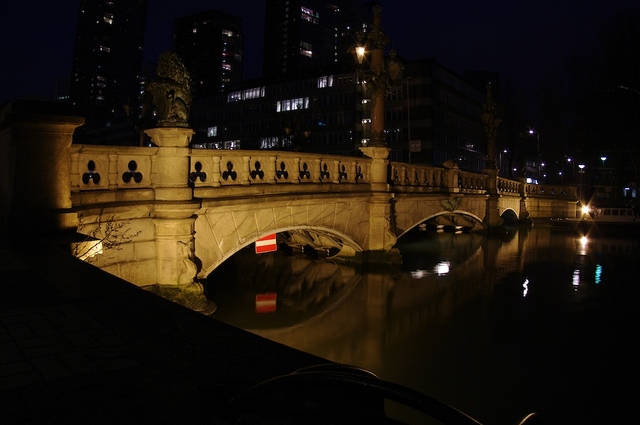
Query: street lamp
(603, 158)
(409, 118)
(581, 172)
(491, 121)
(505, 151)
(573, 170)
(376, 75)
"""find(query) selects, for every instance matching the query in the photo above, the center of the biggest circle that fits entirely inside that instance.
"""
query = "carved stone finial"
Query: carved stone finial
(172, 93)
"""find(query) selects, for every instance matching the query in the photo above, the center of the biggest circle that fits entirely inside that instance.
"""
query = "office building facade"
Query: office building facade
(211, 45)
(431, 116)
(304, 36)
(107, 58)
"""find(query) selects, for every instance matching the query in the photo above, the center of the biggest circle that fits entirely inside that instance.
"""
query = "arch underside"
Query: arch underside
(453, 221)
(319, 221)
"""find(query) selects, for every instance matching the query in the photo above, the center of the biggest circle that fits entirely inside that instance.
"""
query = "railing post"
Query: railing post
(381, 238)
(174, 207)
(34, 170)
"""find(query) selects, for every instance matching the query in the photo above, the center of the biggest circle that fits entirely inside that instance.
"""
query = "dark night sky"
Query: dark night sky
(522, 40)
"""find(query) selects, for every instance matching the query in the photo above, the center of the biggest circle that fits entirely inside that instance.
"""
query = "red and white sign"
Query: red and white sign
(266, 303)
(266, 244)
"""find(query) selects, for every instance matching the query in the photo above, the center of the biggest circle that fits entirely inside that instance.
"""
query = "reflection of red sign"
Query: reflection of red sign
(266, 244)
(266, 303)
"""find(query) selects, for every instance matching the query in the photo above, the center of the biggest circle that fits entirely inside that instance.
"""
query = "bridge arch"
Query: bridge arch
(509, 214)
(338, 243)
(323, 223)
(449, 220)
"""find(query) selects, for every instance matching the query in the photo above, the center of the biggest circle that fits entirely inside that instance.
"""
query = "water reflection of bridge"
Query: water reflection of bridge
(325, 306)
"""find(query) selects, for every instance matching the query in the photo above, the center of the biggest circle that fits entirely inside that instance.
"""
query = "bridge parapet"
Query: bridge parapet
(97, 171)
(437, 179)
(507, 186)
(215, 168)
(550, 191)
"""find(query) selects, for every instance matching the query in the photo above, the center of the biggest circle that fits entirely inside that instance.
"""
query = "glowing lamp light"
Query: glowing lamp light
(360, 54)
(442, 268)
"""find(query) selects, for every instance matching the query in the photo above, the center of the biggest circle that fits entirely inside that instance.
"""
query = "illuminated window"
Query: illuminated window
(108, 18)
(292, 104)
(212, 131)
(232, 144)
(228, 33)
(253, 93)
(226, 66)
(194, 30)
(326, 81)
(309, 15)
(105, 49)
(269, 142)
(306, 49)
(366, 121)
(234, 97)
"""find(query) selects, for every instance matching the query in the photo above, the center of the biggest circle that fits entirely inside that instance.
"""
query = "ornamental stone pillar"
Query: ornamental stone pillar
(174, 207)
(34, 169)
(491, 122)
(381, 237)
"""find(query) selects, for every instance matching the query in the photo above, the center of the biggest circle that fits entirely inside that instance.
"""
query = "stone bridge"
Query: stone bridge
(168, 215)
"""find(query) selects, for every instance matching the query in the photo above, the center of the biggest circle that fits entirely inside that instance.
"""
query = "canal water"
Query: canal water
(532, 321)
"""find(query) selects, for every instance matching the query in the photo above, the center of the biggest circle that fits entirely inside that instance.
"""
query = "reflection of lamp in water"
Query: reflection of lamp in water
(583, 245)
(417, 274)
(442, 268)
(525, 285)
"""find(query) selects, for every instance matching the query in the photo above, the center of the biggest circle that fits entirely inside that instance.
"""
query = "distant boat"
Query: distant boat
(605, 218)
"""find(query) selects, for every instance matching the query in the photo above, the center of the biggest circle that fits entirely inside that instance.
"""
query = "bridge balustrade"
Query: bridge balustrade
(546, 191)
(507, 186)
(216, 168)
(417, 175)
(100, 170)
(432, 178)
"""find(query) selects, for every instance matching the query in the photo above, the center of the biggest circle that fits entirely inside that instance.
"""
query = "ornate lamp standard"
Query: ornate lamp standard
(491, 122)
(376, 77)
(581, 172)
(376, 74)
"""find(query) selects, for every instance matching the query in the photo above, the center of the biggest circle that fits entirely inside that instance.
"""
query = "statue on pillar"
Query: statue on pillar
(172, 93)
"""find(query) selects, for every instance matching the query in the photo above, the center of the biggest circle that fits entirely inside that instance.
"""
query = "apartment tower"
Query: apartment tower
(107, 58)
(210, 44)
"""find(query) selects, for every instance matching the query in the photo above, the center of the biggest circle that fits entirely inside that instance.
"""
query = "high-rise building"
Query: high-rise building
(107, 57)
(308, 35)
(210, 44)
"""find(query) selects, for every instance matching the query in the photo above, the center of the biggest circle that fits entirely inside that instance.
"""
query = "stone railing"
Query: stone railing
(507, 186)
(429, 178)
(550, 191)
(101, 170)
(216, 168)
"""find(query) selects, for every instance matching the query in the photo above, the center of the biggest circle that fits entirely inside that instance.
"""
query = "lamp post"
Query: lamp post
(581, 172)
(573, 170)
(375, 74)
(409, 118)
(491, 122)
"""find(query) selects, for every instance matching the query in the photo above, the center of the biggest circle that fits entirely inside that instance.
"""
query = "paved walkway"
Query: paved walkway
(78, 345)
